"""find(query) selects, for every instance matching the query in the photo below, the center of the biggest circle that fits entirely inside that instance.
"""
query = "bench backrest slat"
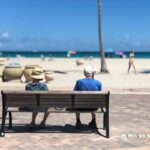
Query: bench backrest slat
(20, 99)
(57, 100)
(90, 101)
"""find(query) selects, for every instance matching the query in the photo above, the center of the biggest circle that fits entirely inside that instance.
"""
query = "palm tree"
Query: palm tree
(101, 50)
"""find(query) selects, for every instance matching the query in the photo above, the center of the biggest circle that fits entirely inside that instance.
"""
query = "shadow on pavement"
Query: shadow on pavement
(19, 128)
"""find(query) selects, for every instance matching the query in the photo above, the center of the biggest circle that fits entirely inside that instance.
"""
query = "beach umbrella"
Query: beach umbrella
(72, 52)
(120, 53)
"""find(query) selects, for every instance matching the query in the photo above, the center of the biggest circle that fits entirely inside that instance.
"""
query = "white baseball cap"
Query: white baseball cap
(89, 69)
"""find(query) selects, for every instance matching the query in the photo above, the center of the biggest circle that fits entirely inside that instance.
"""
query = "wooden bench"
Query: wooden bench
(13, 100)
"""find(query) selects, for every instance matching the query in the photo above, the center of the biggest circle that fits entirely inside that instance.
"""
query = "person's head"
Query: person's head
(37, 74)
(132, 51)
(89, 71)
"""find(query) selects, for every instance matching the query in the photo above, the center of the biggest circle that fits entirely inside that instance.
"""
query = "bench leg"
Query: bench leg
(3, 123)
(107, 124)
(104, 121)
(10, 120)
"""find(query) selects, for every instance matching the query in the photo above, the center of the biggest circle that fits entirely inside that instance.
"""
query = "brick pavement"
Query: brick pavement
(129, 129)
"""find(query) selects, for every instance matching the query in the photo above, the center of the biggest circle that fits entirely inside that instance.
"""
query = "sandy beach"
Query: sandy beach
(129, 109)
(66, 72)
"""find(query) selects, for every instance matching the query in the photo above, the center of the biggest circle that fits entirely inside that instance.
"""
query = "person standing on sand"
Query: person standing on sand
(87, 84)
(35, 85)
(131, 61)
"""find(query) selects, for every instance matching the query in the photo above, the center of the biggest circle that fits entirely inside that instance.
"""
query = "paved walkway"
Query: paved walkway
(129, 129)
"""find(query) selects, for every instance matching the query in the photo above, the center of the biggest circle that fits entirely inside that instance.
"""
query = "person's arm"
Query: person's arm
(100, 86)
(27, 87)
(76, 87)
(45, 88)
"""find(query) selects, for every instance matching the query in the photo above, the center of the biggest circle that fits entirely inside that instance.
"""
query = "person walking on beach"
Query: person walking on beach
(131, 61)
(35, 85)
(87, 84)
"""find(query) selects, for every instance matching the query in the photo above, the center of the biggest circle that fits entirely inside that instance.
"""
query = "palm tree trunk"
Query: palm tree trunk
(101, 50)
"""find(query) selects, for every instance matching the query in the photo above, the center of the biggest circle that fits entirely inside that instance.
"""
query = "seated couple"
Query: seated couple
(86, 84)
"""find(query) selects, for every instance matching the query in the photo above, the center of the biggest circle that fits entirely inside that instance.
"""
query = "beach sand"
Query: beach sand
(66, 72)
(129, 113)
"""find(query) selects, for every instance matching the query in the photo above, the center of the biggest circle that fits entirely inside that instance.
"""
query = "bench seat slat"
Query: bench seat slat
(20, 105)
(91, 95)
(55, 100)
(57, 105)
(93, 100)
(88, 106)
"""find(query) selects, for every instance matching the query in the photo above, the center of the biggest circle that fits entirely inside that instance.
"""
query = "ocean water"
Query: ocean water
(63, 54)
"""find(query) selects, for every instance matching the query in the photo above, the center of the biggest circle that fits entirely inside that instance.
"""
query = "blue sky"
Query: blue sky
(72, 24)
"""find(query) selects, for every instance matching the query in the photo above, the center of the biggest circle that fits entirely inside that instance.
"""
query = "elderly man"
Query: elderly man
(87, 84)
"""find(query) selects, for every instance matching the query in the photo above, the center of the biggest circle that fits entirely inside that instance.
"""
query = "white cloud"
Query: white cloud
(5, 35)
(127, 36)
(19, 45)
(137, 44)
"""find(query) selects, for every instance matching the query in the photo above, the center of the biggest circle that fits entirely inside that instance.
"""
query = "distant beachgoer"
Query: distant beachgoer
(87, 84)
(131, 61)
(35, 85)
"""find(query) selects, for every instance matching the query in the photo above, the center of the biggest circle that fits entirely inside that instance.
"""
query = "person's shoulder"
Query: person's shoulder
(98, 81)
(44, 85)
(28, 84)
(80, 80)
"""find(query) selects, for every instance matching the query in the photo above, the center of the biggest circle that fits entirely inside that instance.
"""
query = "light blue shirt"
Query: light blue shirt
(36, 87)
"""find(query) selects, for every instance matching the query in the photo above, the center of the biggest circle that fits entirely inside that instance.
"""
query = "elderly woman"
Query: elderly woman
(36, 85)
